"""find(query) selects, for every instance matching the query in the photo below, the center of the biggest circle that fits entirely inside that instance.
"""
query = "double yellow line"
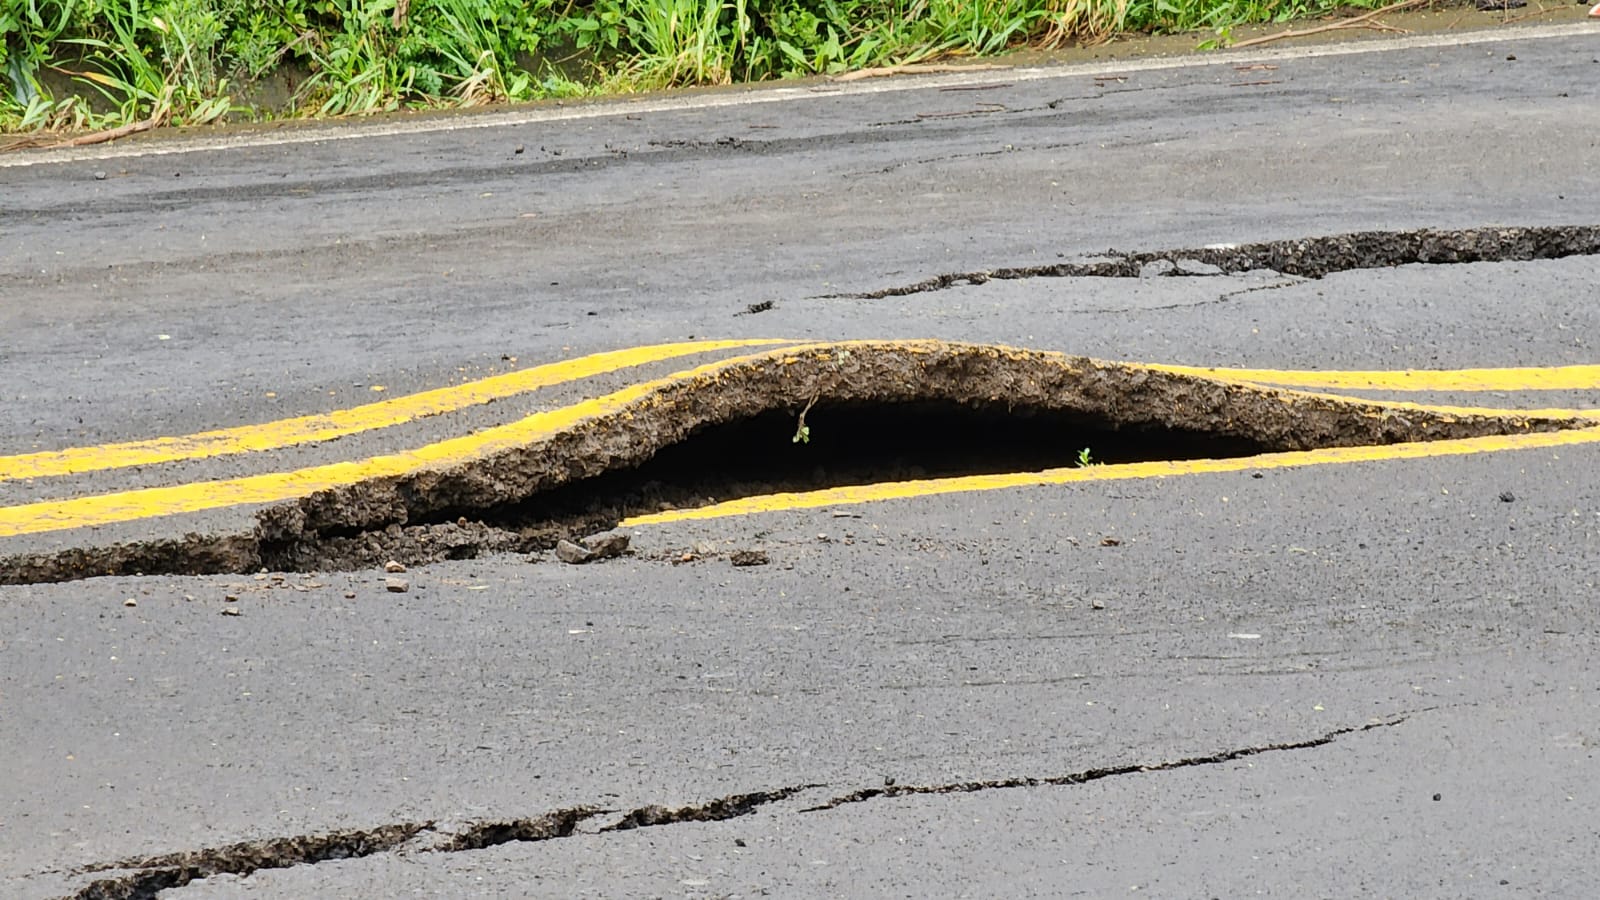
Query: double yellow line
(1544, 378)
(124, 506)
(344, 422)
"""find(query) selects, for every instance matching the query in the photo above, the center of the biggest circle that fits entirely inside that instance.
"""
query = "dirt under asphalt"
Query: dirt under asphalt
(882, 410)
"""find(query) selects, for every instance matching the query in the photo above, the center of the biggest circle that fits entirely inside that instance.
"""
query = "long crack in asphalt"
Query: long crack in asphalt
(1088, 775)
(144, 878)
(730, 807)
(1308, 257)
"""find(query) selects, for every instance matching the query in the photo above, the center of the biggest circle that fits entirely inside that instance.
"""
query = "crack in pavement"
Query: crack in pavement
(987, 109)
(1310, 258)
(1220, 298)
(976, 154)
(154, 874)
(1088, 775)
(151, 875)
(146, 877)
(984, 109)
(1224, 298)
(717, 810)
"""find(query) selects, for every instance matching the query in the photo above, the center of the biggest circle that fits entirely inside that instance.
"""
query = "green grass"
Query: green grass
(90, 64)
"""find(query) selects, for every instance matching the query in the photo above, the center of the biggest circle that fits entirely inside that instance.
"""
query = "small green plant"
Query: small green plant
(1085, 459)
(1223, 39)
(802, 431)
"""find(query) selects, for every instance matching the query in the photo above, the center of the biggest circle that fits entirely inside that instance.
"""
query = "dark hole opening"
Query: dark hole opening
(852, 445)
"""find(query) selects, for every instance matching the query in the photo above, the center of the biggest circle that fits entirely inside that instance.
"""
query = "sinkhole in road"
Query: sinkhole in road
(854, 444)
(866, 412)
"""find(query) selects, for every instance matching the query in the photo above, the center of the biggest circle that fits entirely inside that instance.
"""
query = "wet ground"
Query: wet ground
(1349, 25)
(1373, 675)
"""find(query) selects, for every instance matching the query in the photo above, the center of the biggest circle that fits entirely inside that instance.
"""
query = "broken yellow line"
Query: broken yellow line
(344, 422)
(1534, 378)
(901, 490)
(132, 505)
(145, 503)
(400, 410)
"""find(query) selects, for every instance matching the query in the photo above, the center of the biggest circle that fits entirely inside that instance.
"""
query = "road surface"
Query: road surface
(1347, 675)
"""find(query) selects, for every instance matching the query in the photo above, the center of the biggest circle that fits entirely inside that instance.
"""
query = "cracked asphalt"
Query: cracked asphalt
(1374, 678)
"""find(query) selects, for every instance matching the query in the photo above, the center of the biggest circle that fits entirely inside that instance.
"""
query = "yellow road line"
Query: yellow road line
(1397, 406)
(273, 487)
(125, 506)
(340, 423)
(399, 410)
(1545, 378)
(868, 493)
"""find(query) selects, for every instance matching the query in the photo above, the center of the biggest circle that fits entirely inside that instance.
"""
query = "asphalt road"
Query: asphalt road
(1371, 678)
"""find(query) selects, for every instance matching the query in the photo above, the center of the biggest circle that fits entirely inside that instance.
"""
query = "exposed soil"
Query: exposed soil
(849, 444)
(144, 878)
(1307, 258)
(875, 412)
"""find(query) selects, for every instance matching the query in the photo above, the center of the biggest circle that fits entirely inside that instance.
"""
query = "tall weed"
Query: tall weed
(180, 60)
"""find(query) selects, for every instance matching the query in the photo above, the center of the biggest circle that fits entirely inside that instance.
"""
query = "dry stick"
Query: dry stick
(1529, 15)
(1360, 21)
(284, 50)
(1346, 25)
(158, 117)
(1458, 19)
(801, 432)
(111, 134)
(911, 69)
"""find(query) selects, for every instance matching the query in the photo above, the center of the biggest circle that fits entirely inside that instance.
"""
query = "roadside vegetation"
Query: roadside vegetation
(88, 65)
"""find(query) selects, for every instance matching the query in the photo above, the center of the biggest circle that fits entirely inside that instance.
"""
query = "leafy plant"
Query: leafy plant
(257, 44)
(183, 61)
(28, 30)
(802, 431)
(600, 27)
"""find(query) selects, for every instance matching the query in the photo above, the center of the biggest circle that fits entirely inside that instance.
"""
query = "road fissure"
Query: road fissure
(1088, 775)
(1305, 257)
(144, 878)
